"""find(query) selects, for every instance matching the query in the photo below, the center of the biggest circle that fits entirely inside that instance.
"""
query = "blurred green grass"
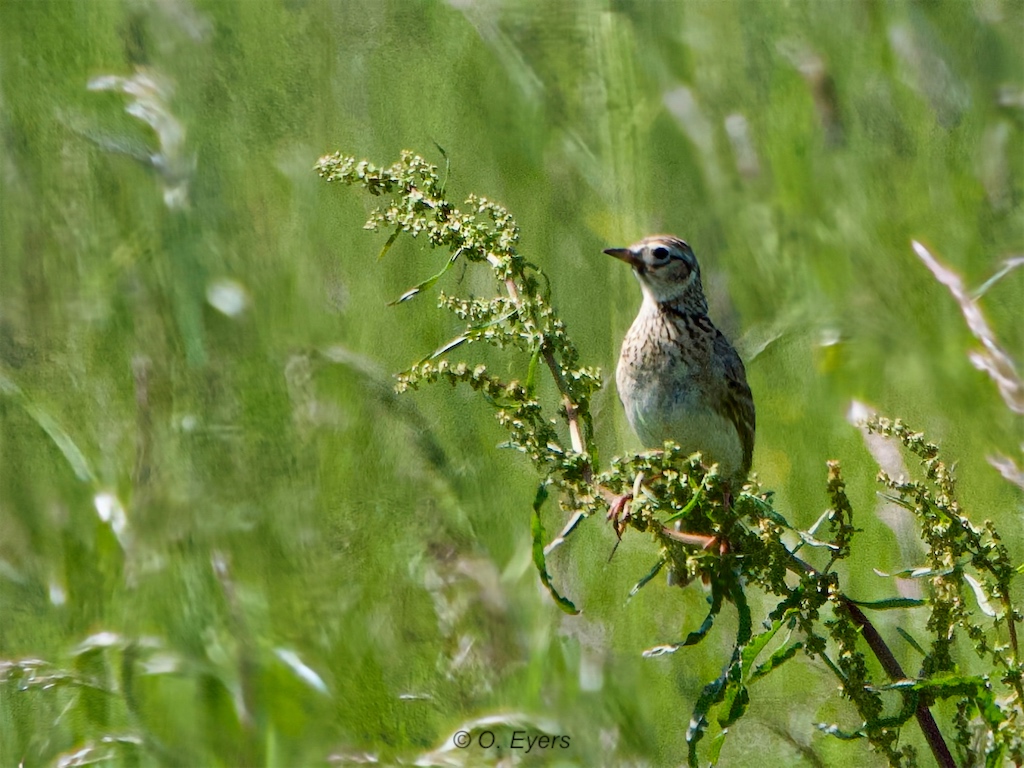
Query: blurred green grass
(798, 147)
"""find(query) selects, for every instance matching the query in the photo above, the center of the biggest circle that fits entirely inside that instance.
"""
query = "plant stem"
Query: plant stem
(929, 727)
(892, 668)
(571, 409)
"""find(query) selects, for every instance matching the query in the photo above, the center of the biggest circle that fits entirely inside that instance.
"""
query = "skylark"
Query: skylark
(678, 377)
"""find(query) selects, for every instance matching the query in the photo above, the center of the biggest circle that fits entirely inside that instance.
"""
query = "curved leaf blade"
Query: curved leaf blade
(539, 560)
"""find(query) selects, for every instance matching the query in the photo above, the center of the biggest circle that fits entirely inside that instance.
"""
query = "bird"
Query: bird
(678, 376)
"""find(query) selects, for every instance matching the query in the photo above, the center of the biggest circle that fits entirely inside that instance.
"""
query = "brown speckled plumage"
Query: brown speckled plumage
(678, 377)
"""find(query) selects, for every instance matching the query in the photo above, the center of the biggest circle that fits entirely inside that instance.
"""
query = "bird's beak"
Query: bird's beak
(626, 255)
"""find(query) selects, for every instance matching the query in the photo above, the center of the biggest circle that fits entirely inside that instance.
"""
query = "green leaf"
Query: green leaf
(777, 518)
(646, 579)
(390, 242)
(697, 496)
(810, 541)
(835, 670)
(768, 511)
(835, 730)
(913, 643)
(301, 671)
(735, 703)
(709, 696)
(471, 334)
(776, 660)
(916, 573)
(753, 649)
(980, 596)
(447, 168)
(691, 639)
(746, 625)
(890, 603)
(537, 528)
(817, 523)
(428, 283)
(994, 758)
(942, 686)
(65, 444)
(694, 637)
(531, 372)
(574, 521)
(457, 341)
(907, 711)
(899, 501)
(715, 750)
(729, 682)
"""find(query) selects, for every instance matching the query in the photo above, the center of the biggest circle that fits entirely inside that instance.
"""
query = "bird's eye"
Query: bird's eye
(660, 253)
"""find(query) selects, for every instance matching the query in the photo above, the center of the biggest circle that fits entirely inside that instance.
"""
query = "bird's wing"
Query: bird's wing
(737, 401)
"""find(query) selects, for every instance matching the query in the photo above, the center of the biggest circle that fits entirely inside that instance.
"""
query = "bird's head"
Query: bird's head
(667, 270)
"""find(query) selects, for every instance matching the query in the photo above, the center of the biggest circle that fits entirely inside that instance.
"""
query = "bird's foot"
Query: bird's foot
(702, 540)
(619, 513)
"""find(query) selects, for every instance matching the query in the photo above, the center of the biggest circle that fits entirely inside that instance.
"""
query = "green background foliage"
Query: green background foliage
(314, 566)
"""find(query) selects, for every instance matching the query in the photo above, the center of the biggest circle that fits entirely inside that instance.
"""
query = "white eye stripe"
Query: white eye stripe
(660, 256)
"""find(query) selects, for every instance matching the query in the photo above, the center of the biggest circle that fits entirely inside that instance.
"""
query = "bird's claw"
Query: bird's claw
(619, 514)
(718, 542)
(702, 540)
